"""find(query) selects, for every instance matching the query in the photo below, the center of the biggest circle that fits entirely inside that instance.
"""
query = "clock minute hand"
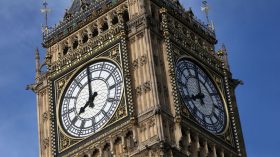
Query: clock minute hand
(198, 85)
(89, 83)
(91, 104)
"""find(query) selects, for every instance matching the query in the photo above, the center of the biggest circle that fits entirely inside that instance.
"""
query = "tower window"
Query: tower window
(125, 16)
(75, 44)
(153, 11)
(95, 32)
(85, 38)
(95, 153)
(107, 151)
(115, 20)
(105, 26)
(65, 50)
(129, 140)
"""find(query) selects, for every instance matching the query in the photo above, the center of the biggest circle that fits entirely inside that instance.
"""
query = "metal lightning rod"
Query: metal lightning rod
(205, 9)
(45, 10)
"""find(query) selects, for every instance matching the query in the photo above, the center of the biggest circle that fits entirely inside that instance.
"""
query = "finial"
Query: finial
(45, 10)
(38, 68)
(222, 53)
(205, 8)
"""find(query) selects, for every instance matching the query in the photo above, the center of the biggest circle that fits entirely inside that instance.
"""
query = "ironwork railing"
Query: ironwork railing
(64, 25)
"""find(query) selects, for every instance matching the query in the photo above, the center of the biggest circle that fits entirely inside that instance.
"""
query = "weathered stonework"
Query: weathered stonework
(145, 38)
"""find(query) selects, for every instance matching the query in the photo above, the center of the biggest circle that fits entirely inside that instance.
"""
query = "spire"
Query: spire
(205, 8)
(222, 53)
(37, 58)
(45, 10)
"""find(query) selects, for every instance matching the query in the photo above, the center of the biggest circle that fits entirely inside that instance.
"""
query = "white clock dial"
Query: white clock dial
(91, 98)
(201, 97)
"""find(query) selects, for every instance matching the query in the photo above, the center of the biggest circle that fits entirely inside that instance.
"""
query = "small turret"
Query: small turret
(37, 58)
(225, 57)
(222, 53)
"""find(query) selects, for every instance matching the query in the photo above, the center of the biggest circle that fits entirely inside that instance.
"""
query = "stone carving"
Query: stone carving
(139, 62)
(144, 88)
(45, 143)
(45, 116)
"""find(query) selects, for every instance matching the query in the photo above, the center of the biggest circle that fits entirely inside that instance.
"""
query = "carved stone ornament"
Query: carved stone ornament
(64, 141)
(45, 143)
(45, 116)
(144, 88)
(139, 62)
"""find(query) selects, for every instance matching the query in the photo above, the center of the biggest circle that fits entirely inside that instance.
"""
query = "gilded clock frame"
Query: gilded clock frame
(207, 72)
(120, 59)
(75, 72)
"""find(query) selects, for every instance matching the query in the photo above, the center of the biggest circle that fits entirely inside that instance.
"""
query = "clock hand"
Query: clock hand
(91, 96)
(201, 95)
(91, 104)
(82, 109)
(89, 83)
(198, 96)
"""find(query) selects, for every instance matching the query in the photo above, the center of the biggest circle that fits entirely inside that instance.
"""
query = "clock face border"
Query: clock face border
(220, 93)
(76, 72)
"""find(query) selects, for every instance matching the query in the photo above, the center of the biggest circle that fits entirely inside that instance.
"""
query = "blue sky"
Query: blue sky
(249, 28)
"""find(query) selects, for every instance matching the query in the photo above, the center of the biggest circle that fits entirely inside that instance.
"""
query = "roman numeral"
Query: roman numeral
(213, 94)
(187, 98)
(216, 116)
(183, 84)
(112, 99)
(83, 124)
(101, 69)
(194, 110)
(206, 79)
(105, 114)
(93, 124)
(69, 111)
(113, 86)
(111, 73)
(74, 120)
(218, 107)
(70, 97)
(78, 83)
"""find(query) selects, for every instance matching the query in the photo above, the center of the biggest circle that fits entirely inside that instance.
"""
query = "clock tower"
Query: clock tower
(137, 78)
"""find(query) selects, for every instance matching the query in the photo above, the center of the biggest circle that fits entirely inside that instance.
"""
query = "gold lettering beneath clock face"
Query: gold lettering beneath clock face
(200, 96)
(91, 98)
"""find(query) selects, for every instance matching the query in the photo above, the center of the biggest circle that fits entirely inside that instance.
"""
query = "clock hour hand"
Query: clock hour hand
(82, 109)
(199, 96)
(91, 104)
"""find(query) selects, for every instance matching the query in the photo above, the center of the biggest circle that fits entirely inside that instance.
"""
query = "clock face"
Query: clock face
(91, 99)
(200, 96)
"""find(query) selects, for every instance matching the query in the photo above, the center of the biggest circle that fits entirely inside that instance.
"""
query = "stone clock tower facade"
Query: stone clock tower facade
(137, 78)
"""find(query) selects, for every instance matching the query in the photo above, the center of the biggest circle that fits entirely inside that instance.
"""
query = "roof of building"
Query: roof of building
(77, 5)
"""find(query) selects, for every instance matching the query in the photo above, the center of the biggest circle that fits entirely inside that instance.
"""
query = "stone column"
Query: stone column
(222, 154)
(195, 147)
(80, 38)
(112, 146)
(89, 31)
(99, 26)
(204, 152)
(214, 153)
(100, 150)
(109, 20)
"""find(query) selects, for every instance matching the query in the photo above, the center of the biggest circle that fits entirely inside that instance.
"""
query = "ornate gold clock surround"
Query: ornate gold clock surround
(123, 112)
